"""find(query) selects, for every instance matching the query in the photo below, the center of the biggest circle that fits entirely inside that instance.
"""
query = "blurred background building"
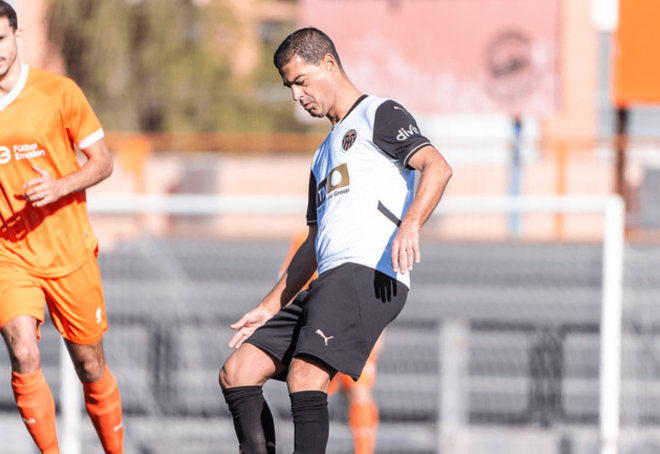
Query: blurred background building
(201, 81)
(193, 80)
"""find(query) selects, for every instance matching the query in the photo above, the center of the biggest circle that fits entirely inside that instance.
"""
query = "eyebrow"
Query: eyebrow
(288, 84)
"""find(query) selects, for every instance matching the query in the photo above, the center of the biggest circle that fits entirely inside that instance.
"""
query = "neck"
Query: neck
(347, 95)
(10, 79)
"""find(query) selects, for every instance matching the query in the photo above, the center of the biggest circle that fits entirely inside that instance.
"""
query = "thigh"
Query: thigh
(345, 314)
(76, 304)
(20, 294)
(278, 337)
(248, 366)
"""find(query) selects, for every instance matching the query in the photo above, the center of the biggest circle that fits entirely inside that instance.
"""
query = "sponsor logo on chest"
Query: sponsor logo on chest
(21, 152)
(335, 184)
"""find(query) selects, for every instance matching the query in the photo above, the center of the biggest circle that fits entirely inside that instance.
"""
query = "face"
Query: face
(310, 85)
(8, 47)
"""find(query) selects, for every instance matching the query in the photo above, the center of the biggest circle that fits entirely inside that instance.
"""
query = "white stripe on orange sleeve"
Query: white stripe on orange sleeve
(91, 139)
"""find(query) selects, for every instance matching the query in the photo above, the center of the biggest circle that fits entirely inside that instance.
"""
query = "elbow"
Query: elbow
(104, 159)
(109, 168)
(443, 171)
(449, 172)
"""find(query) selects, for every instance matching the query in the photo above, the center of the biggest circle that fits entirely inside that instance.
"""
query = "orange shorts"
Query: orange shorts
(75, 301)
(367, 378)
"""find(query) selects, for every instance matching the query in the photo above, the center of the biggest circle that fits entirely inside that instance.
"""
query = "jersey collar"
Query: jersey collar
(355, 104)
(18, 88)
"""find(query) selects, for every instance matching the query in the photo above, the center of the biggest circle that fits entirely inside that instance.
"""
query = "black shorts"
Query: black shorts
(337, 320)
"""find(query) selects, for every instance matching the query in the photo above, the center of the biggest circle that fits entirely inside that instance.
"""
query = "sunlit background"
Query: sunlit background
(536, 102)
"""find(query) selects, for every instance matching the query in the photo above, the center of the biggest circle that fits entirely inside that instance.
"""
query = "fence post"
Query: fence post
(454, 388)
(610, 327)
(70, 403)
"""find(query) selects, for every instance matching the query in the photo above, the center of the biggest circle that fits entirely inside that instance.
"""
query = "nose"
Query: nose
(296, 92)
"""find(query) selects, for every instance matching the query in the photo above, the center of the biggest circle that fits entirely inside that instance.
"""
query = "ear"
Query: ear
(329, 64)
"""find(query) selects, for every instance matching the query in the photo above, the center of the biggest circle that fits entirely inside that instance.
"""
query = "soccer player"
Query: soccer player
(363, 222)
(47, 247)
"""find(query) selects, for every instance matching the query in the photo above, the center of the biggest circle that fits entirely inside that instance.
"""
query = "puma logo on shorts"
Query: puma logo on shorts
(326, 339)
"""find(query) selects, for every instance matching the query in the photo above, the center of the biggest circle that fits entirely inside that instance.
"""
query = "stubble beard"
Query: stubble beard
(7, 63)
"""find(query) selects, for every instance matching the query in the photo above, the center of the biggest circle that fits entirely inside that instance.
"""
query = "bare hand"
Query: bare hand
(42, 190)
(405, 250)
(248, 325)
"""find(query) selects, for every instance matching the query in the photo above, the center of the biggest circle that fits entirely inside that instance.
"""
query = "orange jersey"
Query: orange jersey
(41, 119)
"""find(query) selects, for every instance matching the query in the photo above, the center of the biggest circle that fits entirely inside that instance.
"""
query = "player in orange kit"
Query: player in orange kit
(363, 416)
(47, 247)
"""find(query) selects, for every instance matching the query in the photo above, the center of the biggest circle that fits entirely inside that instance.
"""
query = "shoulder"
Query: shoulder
(390, 117)
(389, 109)
(371, 103)
(59, 89)
(46, 80)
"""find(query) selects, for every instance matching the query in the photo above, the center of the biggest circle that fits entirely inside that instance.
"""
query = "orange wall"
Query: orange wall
(636, 55)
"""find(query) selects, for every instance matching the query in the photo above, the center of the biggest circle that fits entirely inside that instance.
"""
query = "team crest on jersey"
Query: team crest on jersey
(349, 139)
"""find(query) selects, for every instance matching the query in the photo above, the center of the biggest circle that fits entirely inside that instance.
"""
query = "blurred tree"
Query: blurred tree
(165, 65)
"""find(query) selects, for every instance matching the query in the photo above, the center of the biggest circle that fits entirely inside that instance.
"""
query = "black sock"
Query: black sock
(311, 422)
(253, 420)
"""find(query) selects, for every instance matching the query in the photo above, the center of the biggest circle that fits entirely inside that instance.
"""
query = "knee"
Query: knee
(223, 378)
(230, 374)
(241, 370)
(25, 358)
(90, 369)
(308, 374)
(297, 381)
(88, 360)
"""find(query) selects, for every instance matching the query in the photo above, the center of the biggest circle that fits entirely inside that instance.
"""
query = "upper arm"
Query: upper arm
(313, 230)
(396, 132)
(82, 125)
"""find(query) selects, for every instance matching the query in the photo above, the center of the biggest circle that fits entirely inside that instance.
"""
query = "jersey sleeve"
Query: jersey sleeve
(396, 132)
(82, 124)
(311, 200)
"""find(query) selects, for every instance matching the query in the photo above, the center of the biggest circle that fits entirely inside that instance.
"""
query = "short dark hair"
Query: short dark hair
(7, 11)
(310, 44)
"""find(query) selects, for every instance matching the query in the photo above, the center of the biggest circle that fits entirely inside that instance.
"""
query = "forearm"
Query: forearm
(293, 279)
(284, 291)
(97, 168)
(45, 189)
